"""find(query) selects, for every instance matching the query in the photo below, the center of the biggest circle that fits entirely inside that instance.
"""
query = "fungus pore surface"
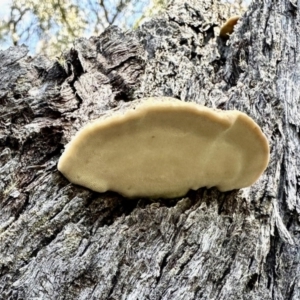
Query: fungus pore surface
(228, 27)
(163, 147)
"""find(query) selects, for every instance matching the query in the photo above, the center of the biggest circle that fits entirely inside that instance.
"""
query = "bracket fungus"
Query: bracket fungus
(228, 27)
(162, 147)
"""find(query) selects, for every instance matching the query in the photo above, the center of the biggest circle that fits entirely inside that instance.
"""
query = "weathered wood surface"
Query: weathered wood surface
(60, 241)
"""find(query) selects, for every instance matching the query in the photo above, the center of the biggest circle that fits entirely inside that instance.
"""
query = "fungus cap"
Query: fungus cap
(163, 148)
(228, 27)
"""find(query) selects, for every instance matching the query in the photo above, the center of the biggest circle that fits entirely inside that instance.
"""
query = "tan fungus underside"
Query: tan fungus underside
(228, 27)
(163, 148)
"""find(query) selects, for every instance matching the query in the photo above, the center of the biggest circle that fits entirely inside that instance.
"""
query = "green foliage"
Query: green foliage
(50, 26)
(155, 7)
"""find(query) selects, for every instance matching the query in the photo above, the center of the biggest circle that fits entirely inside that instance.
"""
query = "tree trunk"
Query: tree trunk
(62, 241)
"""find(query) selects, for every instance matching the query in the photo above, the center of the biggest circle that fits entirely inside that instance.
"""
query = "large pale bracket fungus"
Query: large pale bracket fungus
(163, 147)
(228, 27)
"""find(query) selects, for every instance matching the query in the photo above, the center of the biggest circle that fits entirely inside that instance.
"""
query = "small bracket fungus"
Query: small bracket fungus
(227, 28)
(164, 147)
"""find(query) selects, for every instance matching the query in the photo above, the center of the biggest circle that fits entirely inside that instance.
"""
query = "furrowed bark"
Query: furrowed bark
(61, 241)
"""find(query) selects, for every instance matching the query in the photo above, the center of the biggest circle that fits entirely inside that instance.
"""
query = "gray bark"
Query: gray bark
(61, 241)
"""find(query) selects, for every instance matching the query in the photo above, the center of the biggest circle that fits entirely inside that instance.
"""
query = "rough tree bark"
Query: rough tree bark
(61, 241)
